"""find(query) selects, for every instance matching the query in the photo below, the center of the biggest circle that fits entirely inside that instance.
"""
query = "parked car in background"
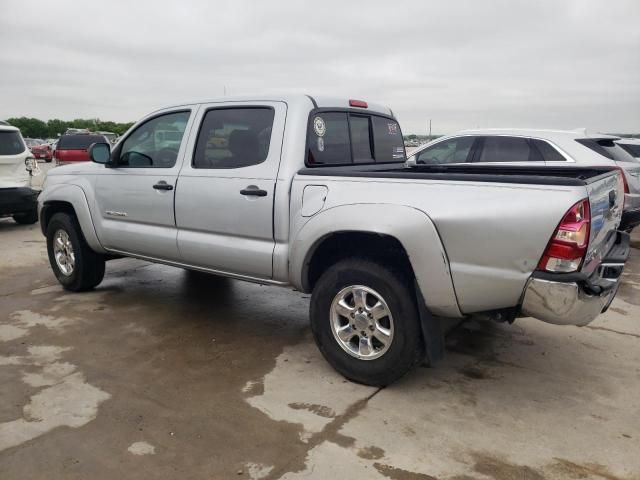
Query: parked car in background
(527, 147)
(314, 194)
(74, 131)
(74, 148)
(33, 142)
(17, 198)
(631, 145)
(112, 137)
(42, 152)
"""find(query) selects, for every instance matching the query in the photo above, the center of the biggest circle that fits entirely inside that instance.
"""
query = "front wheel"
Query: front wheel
(74, 264)
(365, 321)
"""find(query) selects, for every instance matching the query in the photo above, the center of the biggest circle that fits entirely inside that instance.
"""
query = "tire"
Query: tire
(402, 353)
(28, 218)
(88, 266)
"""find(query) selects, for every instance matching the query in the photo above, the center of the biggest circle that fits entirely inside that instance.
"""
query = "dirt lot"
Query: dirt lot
(160, 373)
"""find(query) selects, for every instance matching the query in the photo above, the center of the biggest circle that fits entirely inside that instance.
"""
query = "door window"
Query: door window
(454, 150)
(155, 143)
(548, 152)
(234, 137)
(508, 149)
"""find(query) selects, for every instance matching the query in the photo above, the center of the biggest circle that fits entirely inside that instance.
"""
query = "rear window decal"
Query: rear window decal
(393, 128)
(320, 144)
(319, 126)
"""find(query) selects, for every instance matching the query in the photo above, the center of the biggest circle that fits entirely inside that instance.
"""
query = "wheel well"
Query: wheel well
(337, 246)
(50, 209)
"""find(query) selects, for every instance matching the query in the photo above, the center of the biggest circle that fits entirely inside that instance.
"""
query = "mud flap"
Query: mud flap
(431, 331)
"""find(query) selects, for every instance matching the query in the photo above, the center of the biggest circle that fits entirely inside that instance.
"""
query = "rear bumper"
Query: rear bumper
(18, 200)
(574, 298)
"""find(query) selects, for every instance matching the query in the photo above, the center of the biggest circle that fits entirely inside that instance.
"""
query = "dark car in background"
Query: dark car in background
(74, 148)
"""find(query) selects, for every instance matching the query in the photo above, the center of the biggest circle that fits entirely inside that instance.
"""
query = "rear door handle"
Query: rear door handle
(253, 191)
(162, 185)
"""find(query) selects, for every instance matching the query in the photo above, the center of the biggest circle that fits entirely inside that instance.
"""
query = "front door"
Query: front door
(134, 198)
(224, 206)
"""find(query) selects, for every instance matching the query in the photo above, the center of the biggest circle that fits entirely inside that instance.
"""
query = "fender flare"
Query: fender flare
(74, 195)
(411, 227)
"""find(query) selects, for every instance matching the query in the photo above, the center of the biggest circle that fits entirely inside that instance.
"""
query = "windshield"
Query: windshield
(11, 143)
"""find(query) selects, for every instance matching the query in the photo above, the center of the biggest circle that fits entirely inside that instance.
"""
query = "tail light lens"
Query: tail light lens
(569, 243)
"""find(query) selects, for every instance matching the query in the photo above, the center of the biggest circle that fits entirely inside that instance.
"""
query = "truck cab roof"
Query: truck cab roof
(293, 100)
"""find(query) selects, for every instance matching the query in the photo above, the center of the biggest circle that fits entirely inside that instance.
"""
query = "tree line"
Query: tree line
(36, 128)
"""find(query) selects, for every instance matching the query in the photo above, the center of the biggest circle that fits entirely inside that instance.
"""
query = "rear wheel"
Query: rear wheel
(27, 218)
(74, 264)
(365, 321)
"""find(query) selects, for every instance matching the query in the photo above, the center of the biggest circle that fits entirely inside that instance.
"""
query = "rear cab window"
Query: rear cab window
(11, 143)
(348, 137)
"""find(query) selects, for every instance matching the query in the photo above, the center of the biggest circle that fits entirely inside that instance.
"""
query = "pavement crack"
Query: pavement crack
(629, 334)
(331, 433)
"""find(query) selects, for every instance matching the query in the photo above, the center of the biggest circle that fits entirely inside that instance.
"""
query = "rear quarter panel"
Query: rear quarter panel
(491, 235)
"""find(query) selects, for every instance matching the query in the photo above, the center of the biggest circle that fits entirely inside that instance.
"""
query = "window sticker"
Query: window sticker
(393, 128)
(398, 152)
(320, 144)
(319, 126)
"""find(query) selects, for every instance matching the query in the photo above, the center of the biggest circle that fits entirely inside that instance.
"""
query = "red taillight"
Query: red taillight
(569, 242)
(358, 103)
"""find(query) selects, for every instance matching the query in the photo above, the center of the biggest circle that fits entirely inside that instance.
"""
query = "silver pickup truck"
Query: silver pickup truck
(314, 194)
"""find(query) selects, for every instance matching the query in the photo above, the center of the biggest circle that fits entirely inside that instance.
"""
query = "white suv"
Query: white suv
(17, 198)
(525, 147)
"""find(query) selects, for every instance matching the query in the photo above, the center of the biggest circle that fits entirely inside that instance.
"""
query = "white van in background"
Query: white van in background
(17, 198)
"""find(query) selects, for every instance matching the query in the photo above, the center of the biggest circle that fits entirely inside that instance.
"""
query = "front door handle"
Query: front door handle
(253, 191)
(162, 185)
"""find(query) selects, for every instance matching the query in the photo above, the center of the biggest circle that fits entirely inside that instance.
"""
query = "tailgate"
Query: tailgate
(606, 199)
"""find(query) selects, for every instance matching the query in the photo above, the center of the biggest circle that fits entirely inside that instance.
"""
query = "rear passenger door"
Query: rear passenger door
(224, 199)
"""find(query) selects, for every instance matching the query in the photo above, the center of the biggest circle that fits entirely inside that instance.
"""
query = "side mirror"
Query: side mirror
(100, 153)
(411, 161)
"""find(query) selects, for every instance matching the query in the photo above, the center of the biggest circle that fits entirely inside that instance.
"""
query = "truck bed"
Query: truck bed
(536, 175)
(494, 222)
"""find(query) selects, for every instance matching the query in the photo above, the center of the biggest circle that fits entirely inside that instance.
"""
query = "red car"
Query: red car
(42, 152)
(73, 148)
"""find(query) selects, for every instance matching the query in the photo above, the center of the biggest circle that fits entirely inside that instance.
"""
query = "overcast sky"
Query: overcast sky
(464, 64)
